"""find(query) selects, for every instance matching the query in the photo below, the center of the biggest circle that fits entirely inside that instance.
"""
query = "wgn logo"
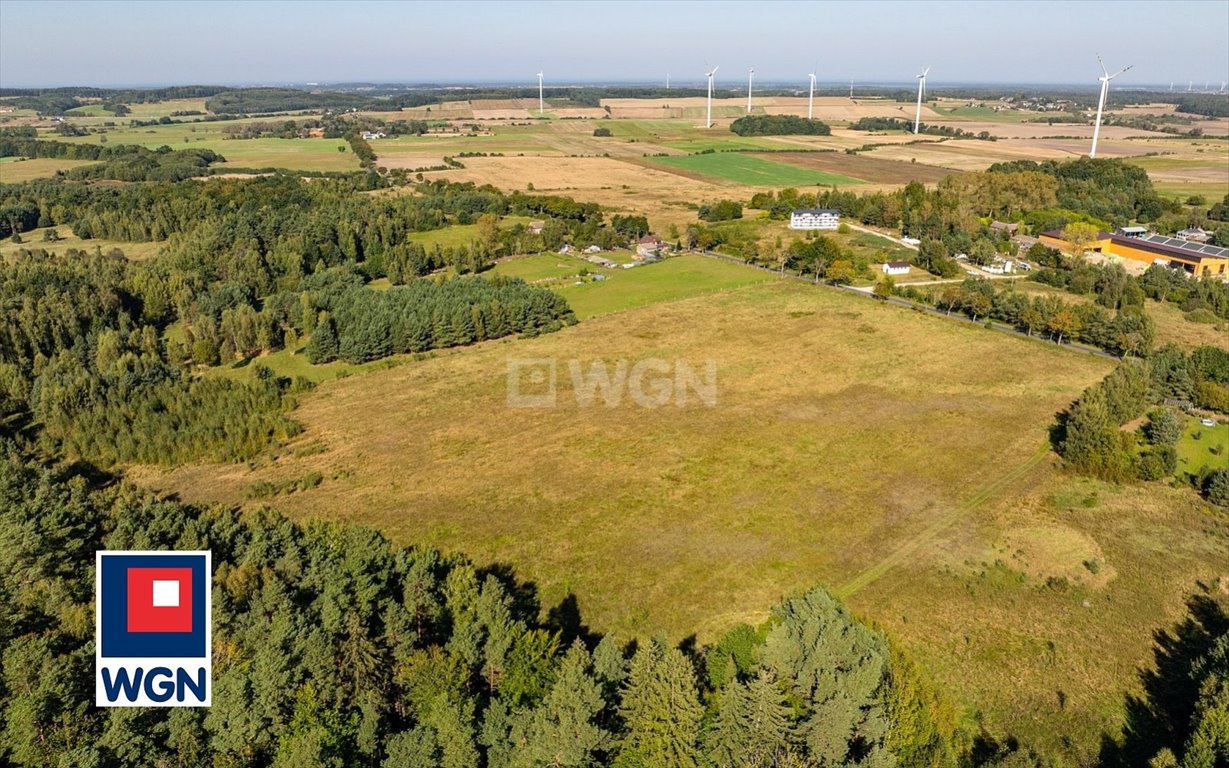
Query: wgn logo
(153, 629)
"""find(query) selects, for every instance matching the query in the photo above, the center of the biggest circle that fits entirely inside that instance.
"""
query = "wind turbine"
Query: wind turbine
(811, 98)
(921, 91)
(541, 101)
(709, 120)
(851, 89)
(667, 81)
(1222, 86)
(750, 78)
(1105, 87)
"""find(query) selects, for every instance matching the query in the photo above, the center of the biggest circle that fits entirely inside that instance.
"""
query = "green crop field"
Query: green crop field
(751, 170)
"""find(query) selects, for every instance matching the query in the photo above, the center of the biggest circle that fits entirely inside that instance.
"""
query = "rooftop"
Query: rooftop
(817, 211)
(1174, 246)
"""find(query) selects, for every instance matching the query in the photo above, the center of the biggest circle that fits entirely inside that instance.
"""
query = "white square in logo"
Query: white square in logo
(166, 594)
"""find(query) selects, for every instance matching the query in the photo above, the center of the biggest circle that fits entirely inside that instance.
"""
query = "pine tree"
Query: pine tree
(752, 726)
(660, 710)
(563, 731)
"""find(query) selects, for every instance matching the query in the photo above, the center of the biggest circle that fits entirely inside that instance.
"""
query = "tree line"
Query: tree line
(901, 124)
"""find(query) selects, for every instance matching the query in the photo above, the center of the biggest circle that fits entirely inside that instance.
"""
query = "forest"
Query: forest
(779, 125)
(100, 356)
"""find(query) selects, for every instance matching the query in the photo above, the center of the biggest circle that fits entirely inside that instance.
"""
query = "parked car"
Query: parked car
(1207, 422)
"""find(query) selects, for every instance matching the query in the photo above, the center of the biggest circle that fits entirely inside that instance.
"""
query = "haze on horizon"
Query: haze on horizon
(132, 43)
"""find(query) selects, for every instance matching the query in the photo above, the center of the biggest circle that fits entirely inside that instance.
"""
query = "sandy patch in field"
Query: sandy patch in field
(587, 112)
(501, 114)
(438, 113)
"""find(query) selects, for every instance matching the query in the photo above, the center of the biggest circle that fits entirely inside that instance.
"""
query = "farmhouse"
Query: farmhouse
(815, 218)
(649, 247)
(536, 226)
(1196, 259)
(1004, 227)
(896, 268)
(369, 135)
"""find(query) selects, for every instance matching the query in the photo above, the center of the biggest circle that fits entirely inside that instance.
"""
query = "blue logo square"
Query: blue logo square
(116, 641)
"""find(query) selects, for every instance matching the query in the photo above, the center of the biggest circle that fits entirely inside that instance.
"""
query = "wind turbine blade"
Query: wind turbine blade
(1119, 72)
(925, 72)
(1104, 71)
(716, 68)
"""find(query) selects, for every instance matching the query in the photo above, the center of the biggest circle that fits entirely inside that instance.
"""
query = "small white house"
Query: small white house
(1001, 267)
(896, 268)
(815, 218)
(369, 135)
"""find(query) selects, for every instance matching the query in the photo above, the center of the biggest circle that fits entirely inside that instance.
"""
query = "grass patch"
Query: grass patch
(1202, 446)
(675, 278)
(14, 170)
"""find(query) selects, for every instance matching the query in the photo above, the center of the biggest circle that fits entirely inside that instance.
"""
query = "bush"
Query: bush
(602, 132)
(1216, 488)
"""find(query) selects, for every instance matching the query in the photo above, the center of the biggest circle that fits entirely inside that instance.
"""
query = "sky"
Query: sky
(219, 42)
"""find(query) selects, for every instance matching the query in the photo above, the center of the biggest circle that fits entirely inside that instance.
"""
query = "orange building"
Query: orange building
(1197, 259)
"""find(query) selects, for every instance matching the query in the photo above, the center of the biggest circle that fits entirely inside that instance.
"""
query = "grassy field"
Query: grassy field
(675, 278)
(1202, 446)
(14, 170)
(460, 234)
(34, 240)
(751, 170)
(293, 154)
(923, 493)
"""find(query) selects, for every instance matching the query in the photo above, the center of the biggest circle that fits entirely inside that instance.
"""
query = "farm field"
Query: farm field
(867, 167)
(825, 460)
(14, 170)
(752, 170)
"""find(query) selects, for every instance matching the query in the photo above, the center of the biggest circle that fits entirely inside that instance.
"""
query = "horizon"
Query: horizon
(241, 44)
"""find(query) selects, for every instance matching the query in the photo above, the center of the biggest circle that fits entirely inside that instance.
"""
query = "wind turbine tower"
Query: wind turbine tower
(541, 100)
(750, 79)
(811, 98)
(851, 89)
(1105, 87)
(921, 91)
(709, 120)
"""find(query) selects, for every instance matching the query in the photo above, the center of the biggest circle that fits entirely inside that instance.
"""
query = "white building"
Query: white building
(815, 218)
(896, 268)
(369, 135)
